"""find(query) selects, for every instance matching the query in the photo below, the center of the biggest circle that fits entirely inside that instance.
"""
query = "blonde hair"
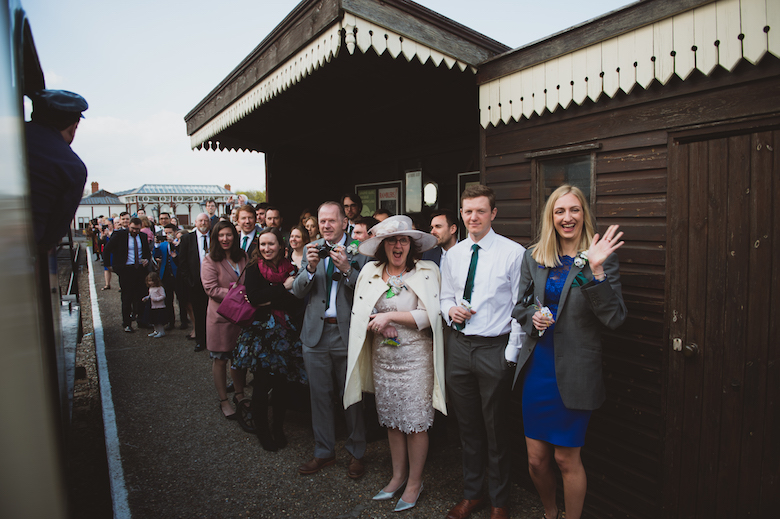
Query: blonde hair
(547, 248)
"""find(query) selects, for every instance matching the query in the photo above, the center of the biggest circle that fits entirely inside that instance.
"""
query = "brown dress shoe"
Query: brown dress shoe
(465, 507)
(316, 464)
(356, 468)
(500, 512)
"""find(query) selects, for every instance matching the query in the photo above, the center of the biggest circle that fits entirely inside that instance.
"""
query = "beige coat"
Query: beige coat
(425, 282)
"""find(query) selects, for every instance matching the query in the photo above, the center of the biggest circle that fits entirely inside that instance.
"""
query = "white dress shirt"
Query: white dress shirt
(496, 287)
(132, 244)
(331, 310)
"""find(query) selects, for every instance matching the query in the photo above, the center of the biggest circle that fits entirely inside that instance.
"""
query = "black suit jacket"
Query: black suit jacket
(433, 255)
(117, 246)
(188, 259)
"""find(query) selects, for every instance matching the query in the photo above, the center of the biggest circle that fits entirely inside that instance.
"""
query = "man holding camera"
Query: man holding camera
(328, 275)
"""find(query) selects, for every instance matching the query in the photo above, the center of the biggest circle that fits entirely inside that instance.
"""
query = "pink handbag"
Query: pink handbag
(235, 308)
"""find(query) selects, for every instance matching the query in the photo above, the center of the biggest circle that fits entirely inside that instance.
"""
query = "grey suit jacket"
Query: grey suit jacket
(314, 320)
(583, 312)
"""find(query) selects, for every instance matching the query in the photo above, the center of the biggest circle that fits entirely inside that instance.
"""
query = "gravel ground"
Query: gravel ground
(181, 458)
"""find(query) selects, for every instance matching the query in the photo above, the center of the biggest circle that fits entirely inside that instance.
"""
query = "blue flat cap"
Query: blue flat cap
(59, 100)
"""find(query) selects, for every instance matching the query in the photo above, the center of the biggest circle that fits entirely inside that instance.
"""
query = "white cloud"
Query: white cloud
(53, 80)
(122, 154)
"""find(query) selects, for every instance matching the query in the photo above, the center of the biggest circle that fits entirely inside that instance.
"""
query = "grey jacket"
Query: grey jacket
(583, 312)
(313, 320)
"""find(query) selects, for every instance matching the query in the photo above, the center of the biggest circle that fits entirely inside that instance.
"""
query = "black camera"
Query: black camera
(323, 251)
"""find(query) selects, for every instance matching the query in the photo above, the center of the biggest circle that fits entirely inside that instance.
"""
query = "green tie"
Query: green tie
(472, 272)
(329, 281)
(470, 280)
(243, 244)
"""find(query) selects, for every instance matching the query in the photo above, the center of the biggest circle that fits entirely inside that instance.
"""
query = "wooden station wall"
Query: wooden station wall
(628, 138)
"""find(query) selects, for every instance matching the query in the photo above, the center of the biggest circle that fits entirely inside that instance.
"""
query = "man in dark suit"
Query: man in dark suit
(211, 210)
(445, 227)
(273, 218)
(193, 249)
(353, 206)
(130, 255)
(330, 281)
(248, 230)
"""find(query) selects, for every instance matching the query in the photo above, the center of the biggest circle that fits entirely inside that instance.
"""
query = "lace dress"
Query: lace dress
(403, 374)
(544, 415)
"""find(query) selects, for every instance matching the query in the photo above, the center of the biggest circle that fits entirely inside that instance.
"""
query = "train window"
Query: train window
(576, 170)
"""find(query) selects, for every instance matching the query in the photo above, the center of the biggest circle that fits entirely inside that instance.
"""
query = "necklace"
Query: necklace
(394, 283)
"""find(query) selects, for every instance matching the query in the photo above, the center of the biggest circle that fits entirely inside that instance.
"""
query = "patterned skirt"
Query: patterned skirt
(268, 345)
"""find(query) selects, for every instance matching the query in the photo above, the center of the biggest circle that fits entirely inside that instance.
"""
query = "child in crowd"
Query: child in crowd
(156, 295)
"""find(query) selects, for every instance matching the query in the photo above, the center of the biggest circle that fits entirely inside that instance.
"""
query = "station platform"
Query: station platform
(173, 454)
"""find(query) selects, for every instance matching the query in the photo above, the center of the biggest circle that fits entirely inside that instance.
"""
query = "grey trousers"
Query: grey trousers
(326, 366)
(479, 385)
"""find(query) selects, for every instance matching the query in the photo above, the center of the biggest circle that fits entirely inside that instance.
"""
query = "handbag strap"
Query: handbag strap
(242, 272)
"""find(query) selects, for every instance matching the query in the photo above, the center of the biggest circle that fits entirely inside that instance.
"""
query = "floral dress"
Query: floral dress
(403, 373)
(272, 342)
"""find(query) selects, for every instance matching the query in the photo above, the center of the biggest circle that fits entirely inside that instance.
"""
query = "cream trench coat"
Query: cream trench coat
(425, 282)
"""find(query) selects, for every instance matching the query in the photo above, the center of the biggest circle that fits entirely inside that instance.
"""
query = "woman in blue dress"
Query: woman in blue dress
(572, 291)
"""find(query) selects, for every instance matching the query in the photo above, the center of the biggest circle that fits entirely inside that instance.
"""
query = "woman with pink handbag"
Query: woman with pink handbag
(220, 270)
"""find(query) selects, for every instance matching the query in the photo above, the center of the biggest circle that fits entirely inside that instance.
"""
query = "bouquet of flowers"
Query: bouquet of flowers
(545, 313)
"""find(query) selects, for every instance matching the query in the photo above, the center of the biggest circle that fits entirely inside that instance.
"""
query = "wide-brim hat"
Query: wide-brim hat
(396, 226)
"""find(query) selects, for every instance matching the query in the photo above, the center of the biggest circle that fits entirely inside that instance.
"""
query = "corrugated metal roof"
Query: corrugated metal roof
(179, 189)
(101, 200)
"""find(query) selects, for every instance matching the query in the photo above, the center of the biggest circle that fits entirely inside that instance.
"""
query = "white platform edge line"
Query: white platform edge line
(116, 474)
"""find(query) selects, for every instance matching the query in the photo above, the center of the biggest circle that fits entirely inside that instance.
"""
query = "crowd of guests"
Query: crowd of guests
(351, 304)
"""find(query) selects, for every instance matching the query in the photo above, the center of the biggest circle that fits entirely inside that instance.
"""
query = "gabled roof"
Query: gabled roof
(101, 197)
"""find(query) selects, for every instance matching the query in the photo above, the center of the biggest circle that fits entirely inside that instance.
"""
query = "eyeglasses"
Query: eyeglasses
(403, 240)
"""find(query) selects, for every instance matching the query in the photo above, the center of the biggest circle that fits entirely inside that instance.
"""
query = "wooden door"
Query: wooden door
(722, 423)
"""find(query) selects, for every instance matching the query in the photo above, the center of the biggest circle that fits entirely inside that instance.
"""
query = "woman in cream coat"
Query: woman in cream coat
(396, 348)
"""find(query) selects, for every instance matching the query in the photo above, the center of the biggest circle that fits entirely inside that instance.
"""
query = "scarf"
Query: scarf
(275, 276)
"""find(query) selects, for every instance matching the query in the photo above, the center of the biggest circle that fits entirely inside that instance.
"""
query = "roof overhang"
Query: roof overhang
(644, 42)
(316, 32)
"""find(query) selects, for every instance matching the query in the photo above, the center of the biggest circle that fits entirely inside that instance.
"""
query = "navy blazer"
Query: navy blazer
(433, 255)
(162, 253)
(583, 312)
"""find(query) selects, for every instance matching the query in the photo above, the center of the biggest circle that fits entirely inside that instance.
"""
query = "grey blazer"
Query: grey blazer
(583, 312)
(313, 320)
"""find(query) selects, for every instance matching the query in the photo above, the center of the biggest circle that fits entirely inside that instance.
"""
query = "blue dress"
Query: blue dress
(545, 417)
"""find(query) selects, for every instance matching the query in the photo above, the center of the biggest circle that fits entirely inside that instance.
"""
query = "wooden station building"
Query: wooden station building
(666, 113)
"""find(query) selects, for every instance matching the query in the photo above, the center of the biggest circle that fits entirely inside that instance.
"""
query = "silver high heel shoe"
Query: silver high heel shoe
(384, 496)
(403, 505)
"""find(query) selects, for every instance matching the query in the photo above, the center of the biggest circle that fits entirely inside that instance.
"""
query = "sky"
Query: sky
(143, 65)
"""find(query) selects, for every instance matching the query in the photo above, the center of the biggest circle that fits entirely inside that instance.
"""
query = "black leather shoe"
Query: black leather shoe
(198, 347)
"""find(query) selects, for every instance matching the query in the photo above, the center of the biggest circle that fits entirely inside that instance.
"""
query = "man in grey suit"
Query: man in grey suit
(329, 280)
